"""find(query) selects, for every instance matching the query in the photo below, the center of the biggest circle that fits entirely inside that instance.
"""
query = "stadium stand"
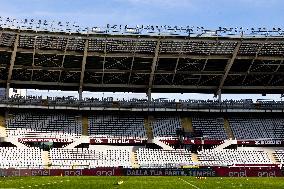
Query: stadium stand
(209, 127)
(117, 126)
(21, 158)
(89, 158)
(166, 126)
(279, 155)
(229, 157)
(157, 158)
(44, 125)
(255, 128)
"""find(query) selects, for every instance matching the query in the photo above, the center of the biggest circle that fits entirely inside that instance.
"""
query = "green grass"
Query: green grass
(137, 182)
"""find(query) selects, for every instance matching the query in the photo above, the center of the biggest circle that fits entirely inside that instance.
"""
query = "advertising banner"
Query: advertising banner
(62, 140)
(117, 141)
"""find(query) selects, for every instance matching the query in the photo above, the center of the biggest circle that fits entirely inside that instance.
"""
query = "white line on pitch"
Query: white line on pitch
(189, 183)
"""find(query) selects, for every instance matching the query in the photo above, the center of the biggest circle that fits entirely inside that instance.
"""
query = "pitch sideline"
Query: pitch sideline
(189, 183)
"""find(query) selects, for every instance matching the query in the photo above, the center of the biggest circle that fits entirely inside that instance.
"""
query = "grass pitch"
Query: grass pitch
(139, 182)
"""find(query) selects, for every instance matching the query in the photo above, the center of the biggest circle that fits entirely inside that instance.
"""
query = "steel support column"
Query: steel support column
(105, 54)
(34, 52)
(228, 67)
(83, 68)
(252, 62)
(177, 62)
(153, 69)
(132, 61)
(276, 70)
(63, 59)
(12, 61)
(149, 95)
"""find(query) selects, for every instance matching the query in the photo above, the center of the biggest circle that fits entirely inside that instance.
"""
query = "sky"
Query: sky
(207, 13)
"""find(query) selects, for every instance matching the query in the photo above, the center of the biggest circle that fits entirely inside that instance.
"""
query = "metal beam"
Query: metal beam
(34, 52)
(228, 66)
(276, 71)
(243, 57)
(154, 65)
(160, 72)
(206, 61)
(63, 59)
(18, 82)
(142, 55)
(104, 61)
(132, 61)
(83, 68)
(214, 87)
(177, 62)
(12, 61)
(143, 87)
(252, 62)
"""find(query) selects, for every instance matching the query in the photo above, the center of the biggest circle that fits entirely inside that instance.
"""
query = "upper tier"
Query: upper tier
(93, 61)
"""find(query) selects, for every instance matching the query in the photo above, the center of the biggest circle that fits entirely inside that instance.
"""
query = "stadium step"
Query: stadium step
(147, 124)
(3, 132)
(226, 144)
(186, 123)
(45, 159)
(161, 144)
(194, 158)
(85, 125)
(272, 156)
(133, 160)
(228, 129)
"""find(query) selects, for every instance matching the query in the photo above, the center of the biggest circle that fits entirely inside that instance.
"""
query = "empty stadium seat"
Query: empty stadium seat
(166, 126)
(157, 158)
(257, 128)
(89, 158)
(39, 125)
(20, 158)
(117, 126)
(233, 157)
(210, 127)
(279, 155)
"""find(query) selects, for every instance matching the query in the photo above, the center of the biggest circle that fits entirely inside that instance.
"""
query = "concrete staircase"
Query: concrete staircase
(228, 129)
(226, 144)
(85, 125)
(161, 144)
(133, 160)
(148, 120)
(78, 141)
(194, 158)
(186, 124)
(45, 159)
(272, 156)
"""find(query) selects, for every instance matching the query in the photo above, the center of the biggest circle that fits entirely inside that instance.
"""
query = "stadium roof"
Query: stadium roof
(174, 61)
